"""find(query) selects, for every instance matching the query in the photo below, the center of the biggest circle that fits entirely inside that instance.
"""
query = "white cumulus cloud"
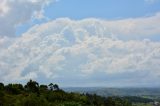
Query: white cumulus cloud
(17, 12)
(89, 50)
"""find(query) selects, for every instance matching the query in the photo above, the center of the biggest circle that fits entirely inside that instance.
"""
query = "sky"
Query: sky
(81, 43)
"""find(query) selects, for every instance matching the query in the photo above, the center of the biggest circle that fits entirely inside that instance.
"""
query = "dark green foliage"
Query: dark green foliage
(136, 99)
(1, 98)
(14, 88)
(116, 101)
(32, 100)
(53, 86)
(43, 88)
(32, 86)
(1, 86)
(34, 95)
(56, 87)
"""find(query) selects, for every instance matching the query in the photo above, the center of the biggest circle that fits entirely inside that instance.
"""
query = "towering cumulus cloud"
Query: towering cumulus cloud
(90, 51)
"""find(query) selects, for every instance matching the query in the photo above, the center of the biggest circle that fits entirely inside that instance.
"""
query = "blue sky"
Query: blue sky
(103, 9)
(109, 43)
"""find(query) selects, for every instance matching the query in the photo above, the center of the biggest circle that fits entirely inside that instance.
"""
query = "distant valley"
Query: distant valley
(116, 91)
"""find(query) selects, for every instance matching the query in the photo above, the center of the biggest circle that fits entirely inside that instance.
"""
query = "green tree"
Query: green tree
(43, 88)
(32, 100)
(32, 86)
(1, 86)
(51, 86)
(56, 87)
(14, 88)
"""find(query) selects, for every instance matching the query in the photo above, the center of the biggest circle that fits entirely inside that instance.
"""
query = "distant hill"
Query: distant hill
(116, 91)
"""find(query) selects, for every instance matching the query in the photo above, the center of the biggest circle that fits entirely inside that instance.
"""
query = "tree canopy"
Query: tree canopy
(34, 94)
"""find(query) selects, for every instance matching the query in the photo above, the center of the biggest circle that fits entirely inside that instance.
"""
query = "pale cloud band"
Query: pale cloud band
(85, 49)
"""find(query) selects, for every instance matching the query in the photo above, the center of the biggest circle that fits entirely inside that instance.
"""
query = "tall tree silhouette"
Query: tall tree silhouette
(56, 87)
(51, 86)
(32, 86)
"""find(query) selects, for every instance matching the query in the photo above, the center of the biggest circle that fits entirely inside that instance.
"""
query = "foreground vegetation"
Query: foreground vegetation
(33, 94)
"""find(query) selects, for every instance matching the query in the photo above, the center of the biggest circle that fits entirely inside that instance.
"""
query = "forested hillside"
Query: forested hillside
(34, 94)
